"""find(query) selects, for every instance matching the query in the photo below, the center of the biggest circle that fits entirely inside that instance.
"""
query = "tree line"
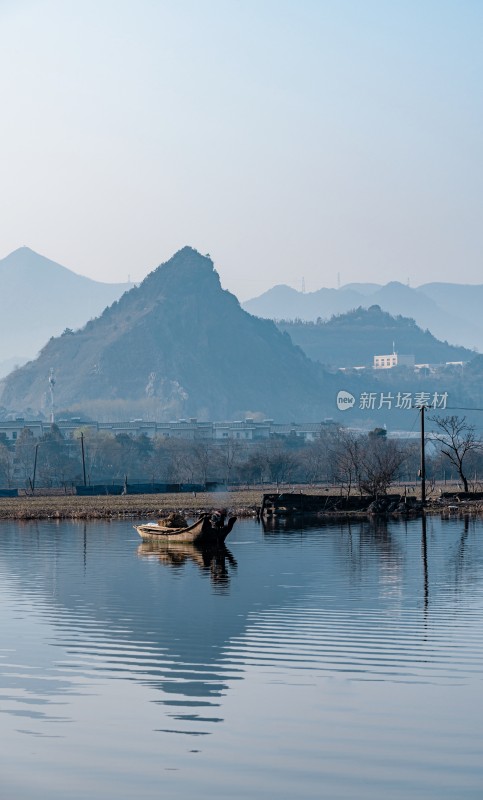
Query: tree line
(354, 462)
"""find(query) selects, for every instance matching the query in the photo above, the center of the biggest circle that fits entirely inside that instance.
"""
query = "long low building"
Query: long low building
(247, 430)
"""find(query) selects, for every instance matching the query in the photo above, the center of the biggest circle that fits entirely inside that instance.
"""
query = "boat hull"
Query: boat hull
(201, 532)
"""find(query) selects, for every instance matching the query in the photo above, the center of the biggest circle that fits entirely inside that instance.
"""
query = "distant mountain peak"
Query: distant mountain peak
(192, 253)
(52, 298)
(187, 258)
(26, 259)
(21, 254)
(22, 249)
(187, 270)
(177, 345)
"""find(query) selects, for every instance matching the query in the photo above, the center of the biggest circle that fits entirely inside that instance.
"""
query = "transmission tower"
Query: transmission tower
(51, 387)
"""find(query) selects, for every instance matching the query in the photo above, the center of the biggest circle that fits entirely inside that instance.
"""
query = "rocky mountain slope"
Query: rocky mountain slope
(175, 346)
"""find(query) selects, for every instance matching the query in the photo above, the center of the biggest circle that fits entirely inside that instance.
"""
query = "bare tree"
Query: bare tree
(55, 466)
(6, 465)
(102, 455)
(25, 453)
(172, 460)
(379, 463)
(201, 456)
(346, 459)
(252, 469)
(457, 438)
(280, 462)
(227, 456)
(315, 458)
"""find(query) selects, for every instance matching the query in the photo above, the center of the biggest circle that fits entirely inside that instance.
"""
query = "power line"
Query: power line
(462, 408)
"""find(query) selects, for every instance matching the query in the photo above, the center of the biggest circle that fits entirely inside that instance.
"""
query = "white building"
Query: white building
(393, 360)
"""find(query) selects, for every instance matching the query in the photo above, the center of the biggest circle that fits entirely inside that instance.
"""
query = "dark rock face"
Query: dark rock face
(178, 345)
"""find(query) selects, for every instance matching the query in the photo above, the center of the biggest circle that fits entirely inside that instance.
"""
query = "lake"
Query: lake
(330, 661)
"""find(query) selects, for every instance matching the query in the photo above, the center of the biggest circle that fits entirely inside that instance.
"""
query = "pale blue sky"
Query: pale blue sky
(288, 139)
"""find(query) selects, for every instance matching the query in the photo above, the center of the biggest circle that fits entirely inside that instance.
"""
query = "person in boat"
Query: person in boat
(217, 518)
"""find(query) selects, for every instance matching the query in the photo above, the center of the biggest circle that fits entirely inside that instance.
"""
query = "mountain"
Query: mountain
(456, 299)
(177, 345)
(283, 302)
(361, 288)
(449, 311)
(353, 338)
(41, 299)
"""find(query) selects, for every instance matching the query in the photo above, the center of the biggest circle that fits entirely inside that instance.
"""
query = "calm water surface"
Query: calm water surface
(324, 662)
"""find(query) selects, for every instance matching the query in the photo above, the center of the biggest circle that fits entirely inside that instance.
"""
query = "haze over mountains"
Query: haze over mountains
(354, 338)
(40, 299)
(180, 346)
(177, 345)
(452, 312)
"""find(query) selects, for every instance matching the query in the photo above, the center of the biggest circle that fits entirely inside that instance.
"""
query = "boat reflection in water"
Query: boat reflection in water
(339, 661)
(216, 560)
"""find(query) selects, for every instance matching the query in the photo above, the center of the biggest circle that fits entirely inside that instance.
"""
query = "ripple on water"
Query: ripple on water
(346, 657)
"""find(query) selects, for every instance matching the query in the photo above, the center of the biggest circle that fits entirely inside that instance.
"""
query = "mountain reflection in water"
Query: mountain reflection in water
(293, 639)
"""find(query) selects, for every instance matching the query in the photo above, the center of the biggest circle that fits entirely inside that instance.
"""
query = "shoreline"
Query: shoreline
(242, 503)
(74, 507)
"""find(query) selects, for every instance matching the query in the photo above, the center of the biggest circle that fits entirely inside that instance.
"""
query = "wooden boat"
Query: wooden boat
(202, 532)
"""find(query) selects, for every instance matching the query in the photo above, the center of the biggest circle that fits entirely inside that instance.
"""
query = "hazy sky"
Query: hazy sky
(289, 138)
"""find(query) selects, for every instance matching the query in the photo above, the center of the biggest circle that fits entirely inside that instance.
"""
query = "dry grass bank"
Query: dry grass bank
(243, 503)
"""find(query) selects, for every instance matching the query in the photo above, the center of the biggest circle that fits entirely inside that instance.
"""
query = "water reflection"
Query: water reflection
(424, 554)
(324, 620)
(361, 540)
(217, 561)
(357, 540)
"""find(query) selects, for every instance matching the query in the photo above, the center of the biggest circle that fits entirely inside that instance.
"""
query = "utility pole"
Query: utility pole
(422, 470)
(51, 387)
(35, 467)
(83, 458)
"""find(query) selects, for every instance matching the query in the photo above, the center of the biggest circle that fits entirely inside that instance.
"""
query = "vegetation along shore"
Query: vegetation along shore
(242, 502)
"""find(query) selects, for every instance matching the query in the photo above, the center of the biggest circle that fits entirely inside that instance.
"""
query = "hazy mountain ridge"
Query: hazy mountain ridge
(449, 311)
(353, 338)
(43, 298)
(177, 345)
